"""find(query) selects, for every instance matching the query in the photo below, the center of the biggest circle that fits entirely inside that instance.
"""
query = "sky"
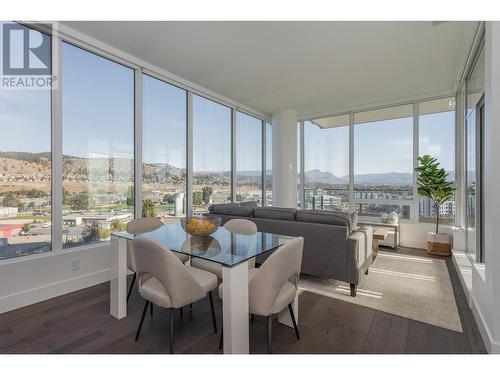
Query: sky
(380, 147)
(98, 121)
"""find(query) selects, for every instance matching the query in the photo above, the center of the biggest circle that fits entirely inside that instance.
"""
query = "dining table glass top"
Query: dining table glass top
(223, 246)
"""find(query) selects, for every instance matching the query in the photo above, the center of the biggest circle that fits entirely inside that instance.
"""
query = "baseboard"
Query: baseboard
(42, 293)
(461, 275)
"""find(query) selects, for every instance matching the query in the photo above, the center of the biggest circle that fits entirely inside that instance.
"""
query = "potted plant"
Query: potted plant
(433, 183)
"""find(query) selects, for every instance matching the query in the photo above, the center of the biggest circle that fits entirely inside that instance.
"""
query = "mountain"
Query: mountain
(391, 178)
(321, 177)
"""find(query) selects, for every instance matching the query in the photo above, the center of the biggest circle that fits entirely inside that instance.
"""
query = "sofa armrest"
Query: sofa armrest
(368, 235)
(360, 253)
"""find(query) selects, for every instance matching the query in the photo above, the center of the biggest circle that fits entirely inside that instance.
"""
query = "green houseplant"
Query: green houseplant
(433, 183)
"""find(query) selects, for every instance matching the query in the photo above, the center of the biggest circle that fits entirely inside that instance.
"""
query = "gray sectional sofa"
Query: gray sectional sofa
(334, 246)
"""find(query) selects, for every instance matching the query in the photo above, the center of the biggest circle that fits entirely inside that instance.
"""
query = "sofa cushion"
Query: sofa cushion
(232, 209)
(275, 213)
(346, 219)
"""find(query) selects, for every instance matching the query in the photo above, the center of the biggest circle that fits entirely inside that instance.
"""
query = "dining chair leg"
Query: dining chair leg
(221, 338)
(142, 320)
(290, 309)
(171, 330)
(151, 309)
(269, 332)
(131, 286)
(211, 299)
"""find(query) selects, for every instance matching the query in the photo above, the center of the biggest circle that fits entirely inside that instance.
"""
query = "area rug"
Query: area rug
(410, 286)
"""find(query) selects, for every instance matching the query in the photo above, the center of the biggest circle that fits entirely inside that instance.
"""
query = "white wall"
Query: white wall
(482, 282)
(24, 281)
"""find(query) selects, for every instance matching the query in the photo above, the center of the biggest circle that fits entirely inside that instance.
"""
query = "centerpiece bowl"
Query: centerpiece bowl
(201, 225)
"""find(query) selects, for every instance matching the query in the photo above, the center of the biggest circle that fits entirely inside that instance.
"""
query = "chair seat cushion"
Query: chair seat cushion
(153, 291)
(285, 295)
(183, 257)
(206, 265)
(207, 280)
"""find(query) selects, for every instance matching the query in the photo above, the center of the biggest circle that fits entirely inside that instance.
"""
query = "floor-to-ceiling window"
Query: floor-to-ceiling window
(164, 134)
(437, 139)
(97, 145)
(248, 158)
(269, 165)
(383, 161)
(473, 133)
(211, 153)
(326, 163)
(25, 162)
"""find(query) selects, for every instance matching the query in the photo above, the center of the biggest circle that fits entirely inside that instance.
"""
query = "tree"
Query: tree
(433, 183)
(197, 198)
(65, 196)
(168, 198)
(81, 201)
(103, 233)
(239, 198)
(26, 228)
(207, 193)
(34, 193)
(92, 234)
(11, 200)
(148, 208)
(130, 196)
(117, 226)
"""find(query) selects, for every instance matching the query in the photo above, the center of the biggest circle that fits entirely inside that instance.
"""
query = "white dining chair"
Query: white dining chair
(273, 286)
(237, 226)
(139, 226)
(168, 283)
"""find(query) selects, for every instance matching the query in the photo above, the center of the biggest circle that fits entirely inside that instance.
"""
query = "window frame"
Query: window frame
(139, 67)
(414, 202)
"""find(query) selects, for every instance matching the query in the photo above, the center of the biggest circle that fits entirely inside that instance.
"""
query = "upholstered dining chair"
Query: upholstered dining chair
(168, 283)
(237, 226)
(138, 226)
(272, 287)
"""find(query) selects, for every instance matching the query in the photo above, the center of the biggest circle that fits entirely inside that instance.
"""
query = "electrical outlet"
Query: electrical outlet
(75, 264)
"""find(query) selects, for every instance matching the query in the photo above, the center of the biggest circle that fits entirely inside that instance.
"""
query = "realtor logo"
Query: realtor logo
(26, 57)
(25, 51)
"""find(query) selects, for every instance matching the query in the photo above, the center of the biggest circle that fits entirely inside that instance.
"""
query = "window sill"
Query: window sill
(54, 253)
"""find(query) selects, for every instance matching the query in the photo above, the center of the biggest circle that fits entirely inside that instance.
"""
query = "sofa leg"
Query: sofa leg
(366, 272)
(354, 288)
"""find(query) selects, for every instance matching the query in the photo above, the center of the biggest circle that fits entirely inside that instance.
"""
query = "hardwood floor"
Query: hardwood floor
(80, 323)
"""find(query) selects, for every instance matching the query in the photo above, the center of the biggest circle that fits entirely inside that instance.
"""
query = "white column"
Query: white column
(285, 158)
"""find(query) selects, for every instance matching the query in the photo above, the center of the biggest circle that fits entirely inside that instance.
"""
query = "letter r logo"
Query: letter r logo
(25, 51)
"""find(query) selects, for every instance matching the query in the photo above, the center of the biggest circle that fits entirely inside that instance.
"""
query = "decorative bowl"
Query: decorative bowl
(201, 225)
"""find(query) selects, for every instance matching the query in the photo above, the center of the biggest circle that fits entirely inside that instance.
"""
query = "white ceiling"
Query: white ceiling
(313, 67)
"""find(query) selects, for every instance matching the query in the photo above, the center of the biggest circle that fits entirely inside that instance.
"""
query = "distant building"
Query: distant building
(8, 211)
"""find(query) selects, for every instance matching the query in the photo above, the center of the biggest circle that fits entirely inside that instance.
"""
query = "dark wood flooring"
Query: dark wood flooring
(80, 323)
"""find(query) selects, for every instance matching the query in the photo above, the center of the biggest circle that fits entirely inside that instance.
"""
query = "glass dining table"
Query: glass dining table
(229, 249)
